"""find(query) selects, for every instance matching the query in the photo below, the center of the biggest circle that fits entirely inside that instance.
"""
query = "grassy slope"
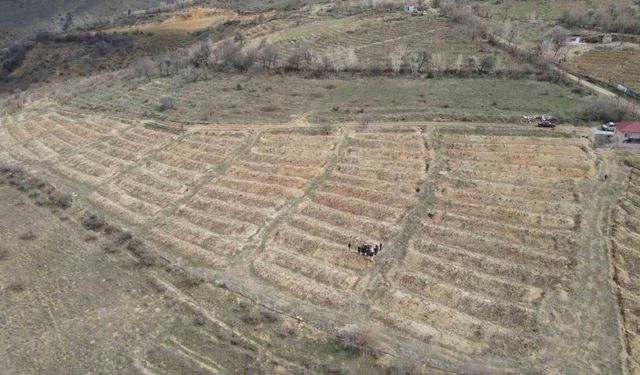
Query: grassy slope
(268, 98)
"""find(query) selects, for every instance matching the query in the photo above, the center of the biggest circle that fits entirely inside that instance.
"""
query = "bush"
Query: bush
(139, 250)
(404, 368)
(167, 103)
(14, 56)
(62, 200)
(92, 221)
(601, 109)
(194, 277)
(28, 236)
(146, 68)
(359, 340)
(15, 286)
(618, 19)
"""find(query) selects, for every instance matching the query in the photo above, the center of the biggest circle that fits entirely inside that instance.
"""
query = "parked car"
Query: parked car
(546, 124)
(608, 126)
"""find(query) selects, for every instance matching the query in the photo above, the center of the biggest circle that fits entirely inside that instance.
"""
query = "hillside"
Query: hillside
(295, 187)
(24, 18)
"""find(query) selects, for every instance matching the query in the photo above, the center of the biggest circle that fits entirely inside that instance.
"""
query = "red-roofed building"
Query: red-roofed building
(629, 130)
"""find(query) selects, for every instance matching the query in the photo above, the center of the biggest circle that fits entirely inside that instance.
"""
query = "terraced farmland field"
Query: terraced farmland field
(374, 37)
(232, 208)
(625, 242)
(615, 67)
(363, 200)
(499, 236)
(483, 230)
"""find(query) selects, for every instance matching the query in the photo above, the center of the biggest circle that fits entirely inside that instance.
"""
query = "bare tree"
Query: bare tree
(342, 58)
(268, 56)
(558, 38)
(459, 63)
(396, 58)
(487, 64)
(294, 61)
(199, 55)
(239, 37)
(438, 63)
(417, 59)
(145, 68)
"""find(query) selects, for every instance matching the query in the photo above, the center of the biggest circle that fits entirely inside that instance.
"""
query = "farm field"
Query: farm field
(68, 304)
(625, 242)
(548, 10)
(482, 228)
(499, 236)
(373, 38)
(612, 66)
(226, 190)
(364, 200)
(189, 20)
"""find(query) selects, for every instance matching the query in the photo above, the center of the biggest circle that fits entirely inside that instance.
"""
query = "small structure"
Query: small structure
(628, 131)
(411, 6)
(573, 40)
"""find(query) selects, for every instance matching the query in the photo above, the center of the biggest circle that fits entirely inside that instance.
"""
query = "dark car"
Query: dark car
(546, 124)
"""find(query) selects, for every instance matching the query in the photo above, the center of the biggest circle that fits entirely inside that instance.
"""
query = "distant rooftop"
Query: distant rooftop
(628, 126)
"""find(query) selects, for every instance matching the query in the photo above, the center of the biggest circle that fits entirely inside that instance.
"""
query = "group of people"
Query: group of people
(368, 250)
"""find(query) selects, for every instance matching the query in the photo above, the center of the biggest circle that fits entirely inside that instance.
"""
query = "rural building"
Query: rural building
(412, 6)
(628, 131)
(573, 40)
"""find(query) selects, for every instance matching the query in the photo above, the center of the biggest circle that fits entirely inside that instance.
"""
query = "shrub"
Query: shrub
(404, 368)
(269, 316)
(194, 277)
(139, 250)
(4, 254)
(601, 109)
(62, 200)
(167, 103)
(92, 221)
(146, 68)
(15, 286)
(123, 237)
(358, 339)
(28, 236)
(199, 319)
(14, 56)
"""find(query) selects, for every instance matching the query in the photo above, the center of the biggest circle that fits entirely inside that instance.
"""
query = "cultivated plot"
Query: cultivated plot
(364, 200)
(167, 175)
(230, 209)
(500, 234)
(615, 67)
(625, 242)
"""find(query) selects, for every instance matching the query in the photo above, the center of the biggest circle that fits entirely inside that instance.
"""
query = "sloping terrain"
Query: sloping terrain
(217, 210)
(612, 66)
(625, 243)
(19, 19)
(481, 229)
